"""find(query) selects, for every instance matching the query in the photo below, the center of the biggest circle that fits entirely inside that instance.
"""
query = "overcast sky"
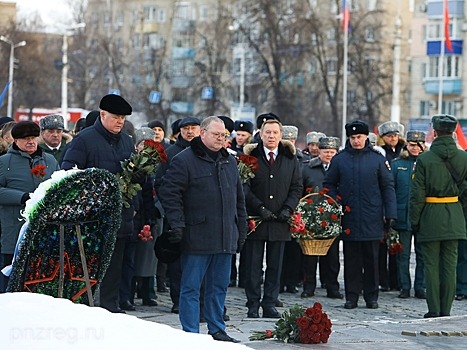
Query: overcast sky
(54, 13)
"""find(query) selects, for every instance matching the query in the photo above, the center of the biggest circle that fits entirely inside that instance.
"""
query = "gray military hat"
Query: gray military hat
(415, 136)
(313, 137)
(444, 122)
(329, 142)
(51, 122)
(372, 138)
(289, 132)
(389, 128)
(144, 133)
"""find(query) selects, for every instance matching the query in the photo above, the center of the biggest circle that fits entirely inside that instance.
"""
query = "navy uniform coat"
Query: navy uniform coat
(204, 198)
(363, 179)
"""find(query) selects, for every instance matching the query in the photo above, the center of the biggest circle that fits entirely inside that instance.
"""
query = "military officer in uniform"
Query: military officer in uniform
(436, 214)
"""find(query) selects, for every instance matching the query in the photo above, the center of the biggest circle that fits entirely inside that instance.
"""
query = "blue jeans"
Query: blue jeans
(215, 269)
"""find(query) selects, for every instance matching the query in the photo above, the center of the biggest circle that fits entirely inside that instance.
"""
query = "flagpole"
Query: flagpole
(344, 80)
(441, 61)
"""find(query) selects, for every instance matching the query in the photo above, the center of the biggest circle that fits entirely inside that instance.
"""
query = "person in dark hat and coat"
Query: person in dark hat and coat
(313, 174)
(362, 178)
(243, 135)
(53, 139)
(436, 214)
(20, 174)
(104, 145)
(402, 168)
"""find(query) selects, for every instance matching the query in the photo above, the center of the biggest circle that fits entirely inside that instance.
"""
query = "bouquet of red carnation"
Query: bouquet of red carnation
(38, 171)
(152, 154)
(145, 234)
(253, 223)
(299, 325)
(247, 166)
(394, 244)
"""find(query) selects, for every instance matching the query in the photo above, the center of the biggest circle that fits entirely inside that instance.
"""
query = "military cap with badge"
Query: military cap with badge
(289, 132)
(356, 127)
(243, 125)
(329, 143)
(265, 116)
(52, 122)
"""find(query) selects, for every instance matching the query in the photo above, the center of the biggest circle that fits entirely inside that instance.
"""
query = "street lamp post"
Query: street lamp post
(64, 107)
(11, 71)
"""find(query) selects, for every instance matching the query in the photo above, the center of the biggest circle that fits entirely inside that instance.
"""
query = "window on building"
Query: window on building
(369, 34)
(183, 11)
(150, 13)
(448, 107)
(451, 67)
(331, 34)
(150, 40)
(161, 15)
(424, 108)
(119, 19)
(351, 96)
(371, 5)
(331, 65)
(203, 12)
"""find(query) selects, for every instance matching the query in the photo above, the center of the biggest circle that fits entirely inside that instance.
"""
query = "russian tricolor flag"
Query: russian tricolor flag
(345, 15)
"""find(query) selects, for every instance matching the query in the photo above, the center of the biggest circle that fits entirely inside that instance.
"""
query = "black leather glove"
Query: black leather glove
(389, 223)
(284, 215)
(415, 229)
(25, 198)
(175, 236)
(138, 177)
(240, 244)
(266, 214)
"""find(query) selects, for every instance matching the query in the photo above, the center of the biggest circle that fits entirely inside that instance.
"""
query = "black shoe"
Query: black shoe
(222, 336)
(291, 289)
(116, 311)
(175, 309)
(384, 289)
(226, 317)
(335, 294)
(279, 303)
(271, 312)
(443, 314)
(460, 297)
(404, 294)
(350, 305)
(253, 312)
(307, 294)
(127, 306)
(162, 288)
(431, 314)
(420, 294)
(372, 305)
(149, 302)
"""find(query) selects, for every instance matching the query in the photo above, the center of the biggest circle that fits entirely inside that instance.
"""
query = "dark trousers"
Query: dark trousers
(291, 264)
(330, 266)
(6, 260)
(361, 270)
(388, 271)
(128, 272)
(310, 262)
(109, 289)
(254, 254)
(174, 271)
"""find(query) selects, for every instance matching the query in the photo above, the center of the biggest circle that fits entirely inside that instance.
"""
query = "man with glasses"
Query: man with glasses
(205, 208)
(104, 146)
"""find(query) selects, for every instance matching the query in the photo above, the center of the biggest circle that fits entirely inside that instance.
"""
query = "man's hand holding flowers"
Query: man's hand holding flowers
(284, 214)
(266, 214)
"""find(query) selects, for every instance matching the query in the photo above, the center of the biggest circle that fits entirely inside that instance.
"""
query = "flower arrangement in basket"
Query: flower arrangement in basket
(316, 222)
(147, 160)
(299, 325)
(247, 166)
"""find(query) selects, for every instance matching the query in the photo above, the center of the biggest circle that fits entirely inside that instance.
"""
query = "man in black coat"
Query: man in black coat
(104, 146)
(203, 199)
(272, 195)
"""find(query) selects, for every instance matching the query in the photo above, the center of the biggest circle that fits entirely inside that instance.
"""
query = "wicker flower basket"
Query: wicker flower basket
(315, 246)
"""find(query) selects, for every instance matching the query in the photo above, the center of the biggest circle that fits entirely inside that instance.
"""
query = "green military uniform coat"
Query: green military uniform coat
(441, 225)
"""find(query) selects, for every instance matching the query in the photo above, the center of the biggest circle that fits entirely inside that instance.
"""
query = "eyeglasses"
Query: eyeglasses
(217, 135)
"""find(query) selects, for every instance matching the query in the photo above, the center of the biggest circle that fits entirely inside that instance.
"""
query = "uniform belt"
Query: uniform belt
(442, 199)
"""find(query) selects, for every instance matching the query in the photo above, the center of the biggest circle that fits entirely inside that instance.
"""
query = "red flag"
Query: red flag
(461, 140)
(447, 38)
(345, 15)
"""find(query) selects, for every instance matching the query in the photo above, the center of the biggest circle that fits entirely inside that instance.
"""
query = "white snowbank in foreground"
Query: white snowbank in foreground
(35, 321)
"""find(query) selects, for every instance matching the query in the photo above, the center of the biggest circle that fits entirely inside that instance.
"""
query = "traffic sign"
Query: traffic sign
(154, 96)
(114, 92)
(207, 93)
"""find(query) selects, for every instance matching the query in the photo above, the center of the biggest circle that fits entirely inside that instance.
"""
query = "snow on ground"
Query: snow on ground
(35, 321)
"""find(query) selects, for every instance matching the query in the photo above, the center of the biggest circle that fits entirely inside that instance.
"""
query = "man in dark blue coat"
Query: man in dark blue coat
(103, 145)
(204, 204)
(362, 178)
